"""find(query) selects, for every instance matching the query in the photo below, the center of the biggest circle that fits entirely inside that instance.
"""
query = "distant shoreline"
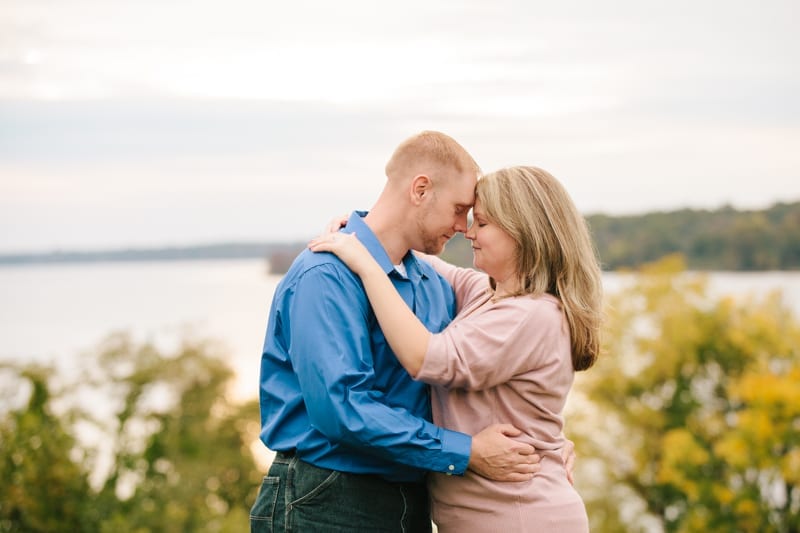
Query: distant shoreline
(261, 250)
(276, 256)
(720, 240)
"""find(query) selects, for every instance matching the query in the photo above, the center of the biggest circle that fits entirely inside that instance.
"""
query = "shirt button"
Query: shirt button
(451, 468)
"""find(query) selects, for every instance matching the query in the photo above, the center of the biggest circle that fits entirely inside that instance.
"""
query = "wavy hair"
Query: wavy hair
(555, 254)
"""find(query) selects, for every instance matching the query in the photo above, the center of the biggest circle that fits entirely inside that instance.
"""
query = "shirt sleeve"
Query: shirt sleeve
(467, 283)
(332, 357)
(514, 336)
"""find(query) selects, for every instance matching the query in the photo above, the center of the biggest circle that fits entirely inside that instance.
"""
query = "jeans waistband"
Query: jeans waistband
(286, 457)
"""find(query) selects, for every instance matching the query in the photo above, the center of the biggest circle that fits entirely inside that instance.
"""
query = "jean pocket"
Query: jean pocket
(263, 510)
(310, 482)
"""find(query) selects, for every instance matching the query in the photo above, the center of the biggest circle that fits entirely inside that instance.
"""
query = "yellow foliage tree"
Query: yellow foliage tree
(690, 421)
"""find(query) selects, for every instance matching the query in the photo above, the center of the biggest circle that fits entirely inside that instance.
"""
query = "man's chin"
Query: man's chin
(434, 249)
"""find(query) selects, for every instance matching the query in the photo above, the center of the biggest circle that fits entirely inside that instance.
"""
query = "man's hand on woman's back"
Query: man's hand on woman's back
(497, 456)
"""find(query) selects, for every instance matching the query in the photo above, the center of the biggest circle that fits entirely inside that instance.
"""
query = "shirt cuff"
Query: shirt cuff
(456, 448)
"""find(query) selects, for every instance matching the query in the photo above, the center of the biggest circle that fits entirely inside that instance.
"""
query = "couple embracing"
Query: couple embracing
(396, 388)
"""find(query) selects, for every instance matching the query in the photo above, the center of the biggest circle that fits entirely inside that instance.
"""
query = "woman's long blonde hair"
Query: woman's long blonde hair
(555, 254)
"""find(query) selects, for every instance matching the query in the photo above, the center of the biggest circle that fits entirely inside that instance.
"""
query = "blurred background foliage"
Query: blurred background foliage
(689, 422)
(691, 419)
(179, 448)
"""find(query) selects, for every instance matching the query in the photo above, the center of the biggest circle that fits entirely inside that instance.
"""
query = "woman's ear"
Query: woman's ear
(420, 186)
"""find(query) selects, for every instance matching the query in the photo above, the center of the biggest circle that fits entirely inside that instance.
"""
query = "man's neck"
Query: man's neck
(386, 230)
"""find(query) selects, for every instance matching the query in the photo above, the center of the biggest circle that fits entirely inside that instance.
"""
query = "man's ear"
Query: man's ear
(421, 186)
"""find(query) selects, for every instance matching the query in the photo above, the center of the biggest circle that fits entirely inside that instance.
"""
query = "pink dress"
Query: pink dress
(503, 362)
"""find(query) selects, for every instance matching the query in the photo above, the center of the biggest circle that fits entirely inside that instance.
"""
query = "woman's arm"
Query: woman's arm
(406, 335)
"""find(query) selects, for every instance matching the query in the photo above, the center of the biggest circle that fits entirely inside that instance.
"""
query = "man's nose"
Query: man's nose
(461, 224)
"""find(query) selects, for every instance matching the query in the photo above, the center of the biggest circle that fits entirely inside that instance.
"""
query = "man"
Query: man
(351, 429)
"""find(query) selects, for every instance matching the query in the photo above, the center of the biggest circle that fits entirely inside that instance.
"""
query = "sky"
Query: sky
(138, 123)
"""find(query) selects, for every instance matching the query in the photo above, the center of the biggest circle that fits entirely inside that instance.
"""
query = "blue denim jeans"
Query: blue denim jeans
(298, 497)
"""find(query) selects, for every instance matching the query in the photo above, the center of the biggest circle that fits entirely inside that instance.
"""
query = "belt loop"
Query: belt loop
(287, 454)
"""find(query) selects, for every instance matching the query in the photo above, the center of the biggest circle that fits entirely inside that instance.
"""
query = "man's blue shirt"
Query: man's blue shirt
(330, 386)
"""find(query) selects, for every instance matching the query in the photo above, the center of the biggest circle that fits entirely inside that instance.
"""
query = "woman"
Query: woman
(524, 326)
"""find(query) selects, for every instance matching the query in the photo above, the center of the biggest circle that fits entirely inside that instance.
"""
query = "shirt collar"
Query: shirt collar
(355, 224)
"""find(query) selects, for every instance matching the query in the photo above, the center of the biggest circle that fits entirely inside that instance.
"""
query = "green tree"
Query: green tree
(177, 444)
(42, 488)
(689, 421)
(181, 458)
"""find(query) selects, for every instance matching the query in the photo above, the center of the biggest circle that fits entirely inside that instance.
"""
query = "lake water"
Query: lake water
(53, 313)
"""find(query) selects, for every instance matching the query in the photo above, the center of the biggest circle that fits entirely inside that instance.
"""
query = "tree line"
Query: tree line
(723, 239)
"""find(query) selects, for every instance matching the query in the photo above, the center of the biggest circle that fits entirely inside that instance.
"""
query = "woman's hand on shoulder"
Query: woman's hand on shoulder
(346, 247)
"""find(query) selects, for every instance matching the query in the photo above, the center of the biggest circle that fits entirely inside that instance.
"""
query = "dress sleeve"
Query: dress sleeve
(485, 349)
(332, 357)
(467, 283)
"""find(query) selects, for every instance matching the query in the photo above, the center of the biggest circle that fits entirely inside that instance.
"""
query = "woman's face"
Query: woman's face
(494, 250)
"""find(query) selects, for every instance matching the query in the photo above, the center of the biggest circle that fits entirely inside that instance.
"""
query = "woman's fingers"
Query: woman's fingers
(331, 242)
(335, 224)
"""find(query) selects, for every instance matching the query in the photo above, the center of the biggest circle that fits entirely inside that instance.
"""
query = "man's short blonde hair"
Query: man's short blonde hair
(429, 151)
